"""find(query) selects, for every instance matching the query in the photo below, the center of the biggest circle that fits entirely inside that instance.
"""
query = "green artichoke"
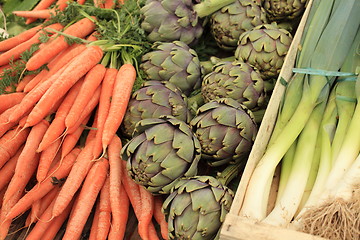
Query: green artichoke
(161, 151)
(237, 80)
(228, 23)
(175, 62)
(264, 47)
(197, 207)
(155, 99)
(226, 130)
(283, 10)
(169, 20)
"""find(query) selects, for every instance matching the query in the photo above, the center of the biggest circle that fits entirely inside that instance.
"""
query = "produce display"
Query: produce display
(134, 119)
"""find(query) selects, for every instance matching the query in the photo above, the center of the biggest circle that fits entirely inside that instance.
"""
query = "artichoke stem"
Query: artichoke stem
(194, 102)
(207, 7)
(230, 172)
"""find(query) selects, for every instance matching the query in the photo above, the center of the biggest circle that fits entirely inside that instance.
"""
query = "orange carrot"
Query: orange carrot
(81, 2)
(93, 183)
(105, 211)
(147, 211)
(33, 96)
(99, 3)
(2, 193)
(26, 157)
(26, 79)
(61, 4)
(58, 172)
(75, 70)
(15, 52)
(42, 4)
(47, 156)
(95, 222)
(122, 215)
(160, 217)
(41, 13)
(70, 140)
(5, 125)
(104, 106)
(10, 143)
(9, 100)
(39, 206)
(7, 171)
(109, 4)
(122, 90)
(116, 198)
(91, 82)
(80, 29)
(88, 110)
(41, 227)
(57, 126)
(18, 39)
(75, 178)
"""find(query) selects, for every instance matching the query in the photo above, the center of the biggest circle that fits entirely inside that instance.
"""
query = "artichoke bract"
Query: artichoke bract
(264, 47)
(155, 99)
(280, 10)
(226, 130)
(161, 151)
(175, 62)
(197, 207)
(237, 80)
(169, 20)
(228, 23)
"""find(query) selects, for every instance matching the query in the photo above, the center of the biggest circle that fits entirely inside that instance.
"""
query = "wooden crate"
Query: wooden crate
(236, 227)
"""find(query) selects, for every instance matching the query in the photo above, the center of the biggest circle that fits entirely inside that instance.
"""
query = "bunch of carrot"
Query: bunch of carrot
(45, 9)
(59, 148)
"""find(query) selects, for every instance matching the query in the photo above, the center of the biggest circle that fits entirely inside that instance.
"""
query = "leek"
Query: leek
(337, 36)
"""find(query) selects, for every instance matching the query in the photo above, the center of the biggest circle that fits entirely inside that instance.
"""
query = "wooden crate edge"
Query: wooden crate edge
(238, 228)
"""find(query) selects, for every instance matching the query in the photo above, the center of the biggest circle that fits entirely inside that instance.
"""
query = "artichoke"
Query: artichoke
(226, 130)
(197, 207)
(280, 10)
(152, 100)
(169, 20)
(161, 151)
(175, 62)
(264, 47)
(237, 80)
(228, 23)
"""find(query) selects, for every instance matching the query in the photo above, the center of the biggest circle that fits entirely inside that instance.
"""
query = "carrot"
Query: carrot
(42, 4)
(9, 100)
(109, 4)
(18, 39)
(93, 183)
(58, 172)
(95, 222)
(41, 13)
(74, 180)
(81, 2)
(7, 171)
(122, 90)
(91, 82)
(26, 79)
(2, 193)
(61, 4)
(99, 3)
(26, 157)
(79, 29)
(116, 198)
(41, 227)
(15, 52)
(118, 232)
(33, 97)
(5, 207)
(5, 125)
(56, 223)
(70, 140)
(55, 64)
(47, 156)
(75, 70)
(39, 206)
(152, 232)
(104, 106)
(57, 126)
(88, 110)
(105, 211)
(10, 143)
(160, 217)
(147, 211)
